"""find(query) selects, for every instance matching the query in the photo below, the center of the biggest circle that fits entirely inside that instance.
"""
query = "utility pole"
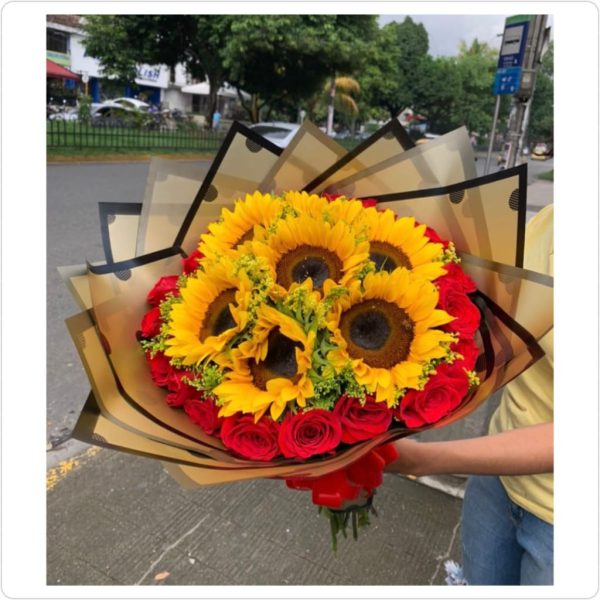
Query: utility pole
(535, 46)
(524, 42)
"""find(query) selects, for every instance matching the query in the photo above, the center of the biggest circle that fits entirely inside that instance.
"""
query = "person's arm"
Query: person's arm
(524, 451)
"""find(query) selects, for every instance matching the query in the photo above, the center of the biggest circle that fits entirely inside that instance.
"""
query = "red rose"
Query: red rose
(204, 412)
(163, 286)
(362, 422)
(160, 369)
(331, 197)
(457, 304)
(469, 350)
(442, 394)
(312, 432)
(190, 264)
(434, 237)
(456, 273)
(256, 441)
(368, 202)
(179, 391)
(151, 323)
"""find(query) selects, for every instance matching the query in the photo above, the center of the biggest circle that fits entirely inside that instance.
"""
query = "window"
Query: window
(57, 41)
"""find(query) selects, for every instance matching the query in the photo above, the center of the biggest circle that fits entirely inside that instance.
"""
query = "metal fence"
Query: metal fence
(73, 134)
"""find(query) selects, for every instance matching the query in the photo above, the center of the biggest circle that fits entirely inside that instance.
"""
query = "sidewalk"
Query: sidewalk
(119, 519)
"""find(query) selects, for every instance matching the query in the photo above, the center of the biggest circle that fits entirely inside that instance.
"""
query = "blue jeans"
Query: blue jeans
(502, 543)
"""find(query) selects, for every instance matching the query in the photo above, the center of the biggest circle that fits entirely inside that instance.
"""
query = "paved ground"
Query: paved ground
(116, 519)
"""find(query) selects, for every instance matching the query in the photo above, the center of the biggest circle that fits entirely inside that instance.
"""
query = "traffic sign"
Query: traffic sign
(507, 81)
(513, 45)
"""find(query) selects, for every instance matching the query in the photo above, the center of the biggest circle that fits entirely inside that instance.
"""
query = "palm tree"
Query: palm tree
(340, 91)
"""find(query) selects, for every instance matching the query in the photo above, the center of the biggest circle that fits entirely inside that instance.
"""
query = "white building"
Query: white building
(64, 45)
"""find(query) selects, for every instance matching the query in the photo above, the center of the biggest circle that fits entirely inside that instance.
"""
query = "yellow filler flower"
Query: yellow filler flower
(212, 311)
(269, 370)
(386, 331)
(401, 243)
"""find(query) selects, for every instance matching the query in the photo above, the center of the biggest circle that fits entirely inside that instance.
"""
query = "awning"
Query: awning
(58, 72)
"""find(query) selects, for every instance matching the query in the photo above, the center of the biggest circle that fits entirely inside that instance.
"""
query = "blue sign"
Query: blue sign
(514, 41)
(507, 81)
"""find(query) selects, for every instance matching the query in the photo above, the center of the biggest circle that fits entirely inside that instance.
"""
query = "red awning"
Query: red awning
(55, 70)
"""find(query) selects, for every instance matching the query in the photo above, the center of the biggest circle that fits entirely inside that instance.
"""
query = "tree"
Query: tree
(122, 42)
(283, 60)
(394, 60)
(437, 91)
(476, 65)
(541, 119)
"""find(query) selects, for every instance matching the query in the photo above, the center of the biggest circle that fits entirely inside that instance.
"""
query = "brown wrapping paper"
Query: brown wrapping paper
(127, 411)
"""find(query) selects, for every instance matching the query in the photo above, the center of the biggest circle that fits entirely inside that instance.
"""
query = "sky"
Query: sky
(446, 31)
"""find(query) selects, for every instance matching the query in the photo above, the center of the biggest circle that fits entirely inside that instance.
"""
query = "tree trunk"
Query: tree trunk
(330, 108)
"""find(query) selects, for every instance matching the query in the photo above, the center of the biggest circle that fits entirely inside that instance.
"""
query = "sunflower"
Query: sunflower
(303, 203)
(269, 370)
(250, 218)
(212, 310)
(306, 247)
(402, 243)
(386, 332)
(348, 210)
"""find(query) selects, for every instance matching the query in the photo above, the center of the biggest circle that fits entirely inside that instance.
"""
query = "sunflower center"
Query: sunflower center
(387, 257)
(307, 261)
(280, 361)
(246, 237)
(218, 317)
(377, 331)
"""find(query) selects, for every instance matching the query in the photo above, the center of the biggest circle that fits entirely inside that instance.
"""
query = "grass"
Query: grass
(76, 142)
(547, 176)
(124, 154)
(68, 141)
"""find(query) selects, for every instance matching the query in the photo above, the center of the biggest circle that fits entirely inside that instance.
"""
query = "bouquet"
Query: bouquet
(302, 309)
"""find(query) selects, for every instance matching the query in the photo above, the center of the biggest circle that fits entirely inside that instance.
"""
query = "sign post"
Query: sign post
(508, 72)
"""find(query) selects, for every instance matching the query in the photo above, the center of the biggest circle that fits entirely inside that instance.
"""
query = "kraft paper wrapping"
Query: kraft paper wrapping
(308, 155)
(170, 191)
(484, 217)
(387, 142)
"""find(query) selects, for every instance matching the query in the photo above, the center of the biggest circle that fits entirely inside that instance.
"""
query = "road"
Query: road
(73, 235)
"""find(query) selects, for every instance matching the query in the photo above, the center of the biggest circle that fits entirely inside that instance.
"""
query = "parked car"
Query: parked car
(542, 151)
(113, 114)
(132, 103)
(277, 132)
(69, 114)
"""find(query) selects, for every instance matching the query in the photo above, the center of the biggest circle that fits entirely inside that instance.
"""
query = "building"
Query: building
(155, 84)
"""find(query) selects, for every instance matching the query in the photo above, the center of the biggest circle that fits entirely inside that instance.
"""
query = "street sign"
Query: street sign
(513, 45)
(512, 51)
(507, 81)
(85, 77)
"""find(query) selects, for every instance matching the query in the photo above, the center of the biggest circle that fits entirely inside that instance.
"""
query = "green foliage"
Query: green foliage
(389, 75)
(84, 111)
(541, 119)
(297, 54)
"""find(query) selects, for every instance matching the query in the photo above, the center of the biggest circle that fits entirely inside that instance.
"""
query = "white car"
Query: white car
(277, 132)
(131, 103)
(70, 114)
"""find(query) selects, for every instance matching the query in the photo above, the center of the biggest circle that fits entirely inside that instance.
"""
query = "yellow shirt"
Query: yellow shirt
(529, 398)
